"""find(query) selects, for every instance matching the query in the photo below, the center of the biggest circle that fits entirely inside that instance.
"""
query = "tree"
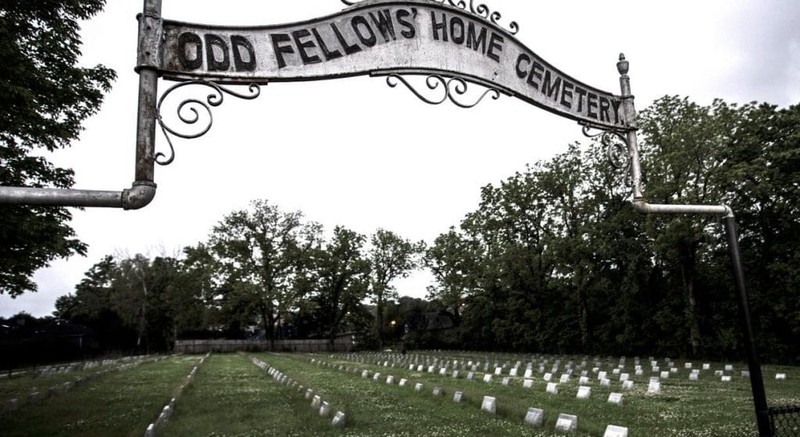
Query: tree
(390, 257)
(262, 253)
(342, 279)
(46, 97)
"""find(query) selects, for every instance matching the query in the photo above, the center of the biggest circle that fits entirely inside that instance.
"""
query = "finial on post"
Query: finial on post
(622, 65)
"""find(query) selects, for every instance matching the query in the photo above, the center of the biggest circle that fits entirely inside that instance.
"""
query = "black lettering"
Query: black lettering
(536, 72)
(325, 52)
(495, 42)
(239, 43)
(477, 42)
(298, 36)
(439, 26)
(359, 22)
(581, 94)
(349, 49)
(591, 102)
(605, 105)
(551, 90)
(457, 30)
(189, 42)
(615, 104)
(522, 72)
(215, 64)
(410, 31)
(566, 94)
(277, 45)
(384, 24)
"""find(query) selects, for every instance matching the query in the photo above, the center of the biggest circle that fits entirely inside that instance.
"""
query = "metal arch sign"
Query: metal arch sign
(383, 37)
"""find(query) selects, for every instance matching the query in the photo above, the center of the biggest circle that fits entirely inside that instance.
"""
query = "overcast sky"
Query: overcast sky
(357, 153)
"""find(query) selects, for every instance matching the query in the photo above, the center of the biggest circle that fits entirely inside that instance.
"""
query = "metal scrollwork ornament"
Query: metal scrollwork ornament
(480, 10)
(616, 146)
(452, 88)
(189, 112)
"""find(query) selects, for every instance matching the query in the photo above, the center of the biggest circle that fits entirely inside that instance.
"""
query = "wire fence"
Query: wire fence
(785, 420)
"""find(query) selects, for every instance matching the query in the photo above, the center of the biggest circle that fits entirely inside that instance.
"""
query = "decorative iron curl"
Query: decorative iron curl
(188, 112)
(616, 146)
(481, 11)
(451, 87)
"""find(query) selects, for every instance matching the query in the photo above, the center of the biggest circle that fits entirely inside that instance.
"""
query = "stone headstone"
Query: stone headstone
(377, 376)
(430, 369)
(605, 382)
(455, 374)
(548, 376)
(693, 376)
(443, 371)
(552, 388)
(489, 404)
(411, 367)
(390, 379)
(506, 380)
(458, 396)
(487, 377)
(528, 373)
(584, 380)
(638, 372)
(673, 370)
(656, 369)
(687, 365)
(780, 376)
(564, 378)
(616, 431)
(615, 371)
(602, 375)
(584, 392)
(534, 417)
(498, 371)
(324, 409)
(718, 372)
(664, 375)
(418, 386)
(725, 378)
(403, 382)
(567, 423)
(316, 402)
(624, 377)
(627, 385)
(615, 398)
(309, 394)
(339, 420)
(420, 368)
(512, 372)
(365, 374)
(470, 375)
(527, 383)
(729, 367)
(745, 373)
(437, 391)
(654, 387)
(706, 366)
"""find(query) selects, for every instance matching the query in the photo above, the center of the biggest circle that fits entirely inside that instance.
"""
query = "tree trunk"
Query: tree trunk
(379, 320)
(688, 276)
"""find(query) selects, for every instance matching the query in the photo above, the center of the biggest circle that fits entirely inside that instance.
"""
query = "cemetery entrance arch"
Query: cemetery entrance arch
(454, 45)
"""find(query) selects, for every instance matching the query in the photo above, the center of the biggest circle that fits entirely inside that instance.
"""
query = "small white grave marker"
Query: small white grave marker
(377, 376)
(616, 431)
(654, 388)
(365, 374)
(584, 380)
(584, 392)
(390, 379)
(627, 385)
(324, 409)
(513, 372)
(615, 398)
(455, 374)
(552, 388)
(338, 420)
(718, 373)
(470, 375)
(548, 376)
(506, 380)
(729, 367)
(687, 365)
(489, 404)
(605, 382)
(780, 376)
(745, 373)
(498, 371)
(706, 366)
(564, 378)
(418, 387)
(457, 396)
(437, 391)
(403, 382)
(443, 371)
(316, 402)
(528, 373)
(664, 375)
(528, 383)
(534, 416)
(567, 423)
(624, 377)
(725, 378)
(487, 377)
(602, 375)
(693, 376)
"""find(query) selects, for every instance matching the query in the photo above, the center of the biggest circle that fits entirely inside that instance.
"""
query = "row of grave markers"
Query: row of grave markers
(168, 409)
(534, 417)
(55, 390)
(323, 408)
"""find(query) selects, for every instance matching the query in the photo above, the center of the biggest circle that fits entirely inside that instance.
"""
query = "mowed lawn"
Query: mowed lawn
(116, 404)
(231, 396)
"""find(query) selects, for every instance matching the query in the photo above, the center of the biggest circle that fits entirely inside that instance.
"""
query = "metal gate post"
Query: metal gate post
(641, 205)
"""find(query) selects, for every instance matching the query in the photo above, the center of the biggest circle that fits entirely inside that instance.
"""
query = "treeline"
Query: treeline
(263, 273)
(554, 259)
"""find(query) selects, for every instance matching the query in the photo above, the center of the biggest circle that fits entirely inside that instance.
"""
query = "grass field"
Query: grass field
(231, 396)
